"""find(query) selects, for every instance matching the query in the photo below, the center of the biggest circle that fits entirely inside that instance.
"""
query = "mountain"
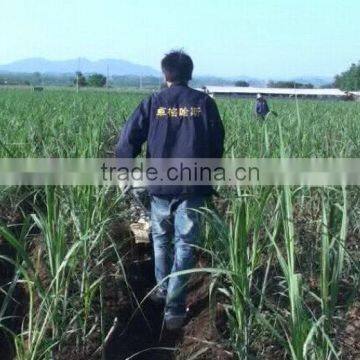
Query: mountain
(114, 66)
(126, 68)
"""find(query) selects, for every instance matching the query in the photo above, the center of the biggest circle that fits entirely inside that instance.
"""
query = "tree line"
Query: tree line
(350, 79)
(94, 80)
(39, 79)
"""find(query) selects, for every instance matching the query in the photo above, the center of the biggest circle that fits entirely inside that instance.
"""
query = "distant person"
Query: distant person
(261, 107)
(177, 122)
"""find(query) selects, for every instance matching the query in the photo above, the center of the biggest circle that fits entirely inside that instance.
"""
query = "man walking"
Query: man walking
(177, 122)
(261, 107)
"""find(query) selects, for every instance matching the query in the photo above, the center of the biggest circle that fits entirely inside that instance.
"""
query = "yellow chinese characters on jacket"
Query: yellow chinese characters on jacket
(174, 112)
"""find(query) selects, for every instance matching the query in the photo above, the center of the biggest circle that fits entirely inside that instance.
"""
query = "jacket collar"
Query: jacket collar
(174, 84)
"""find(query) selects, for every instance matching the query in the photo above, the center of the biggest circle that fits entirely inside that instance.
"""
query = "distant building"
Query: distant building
(275, 92)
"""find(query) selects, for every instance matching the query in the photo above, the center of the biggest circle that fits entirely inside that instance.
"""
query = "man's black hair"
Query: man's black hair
(177, 66)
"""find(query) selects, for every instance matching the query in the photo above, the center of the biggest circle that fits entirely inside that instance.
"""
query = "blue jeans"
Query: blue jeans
(175, 228)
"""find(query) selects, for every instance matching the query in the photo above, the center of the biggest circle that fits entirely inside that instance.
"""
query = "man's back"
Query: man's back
(185, 123)
(261, 107)
(178, 122)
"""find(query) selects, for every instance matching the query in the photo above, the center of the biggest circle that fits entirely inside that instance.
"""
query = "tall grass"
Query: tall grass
(63, 275)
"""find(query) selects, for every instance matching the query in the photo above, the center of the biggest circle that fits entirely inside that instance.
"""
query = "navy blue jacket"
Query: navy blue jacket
(177, 122)
(261, 108)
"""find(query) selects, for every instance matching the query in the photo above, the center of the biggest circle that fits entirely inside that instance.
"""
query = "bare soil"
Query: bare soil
(17, 305)
(144, 333)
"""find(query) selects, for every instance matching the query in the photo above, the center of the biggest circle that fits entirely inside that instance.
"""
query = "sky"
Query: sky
(257, 38)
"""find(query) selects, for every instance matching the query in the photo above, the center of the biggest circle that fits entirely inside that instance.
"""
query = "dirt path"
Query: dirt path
(17, 304)
(144, 333)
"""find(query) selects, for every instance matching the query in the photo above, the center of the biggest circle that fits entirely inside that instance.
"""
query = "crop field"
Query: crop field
(278, 272)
